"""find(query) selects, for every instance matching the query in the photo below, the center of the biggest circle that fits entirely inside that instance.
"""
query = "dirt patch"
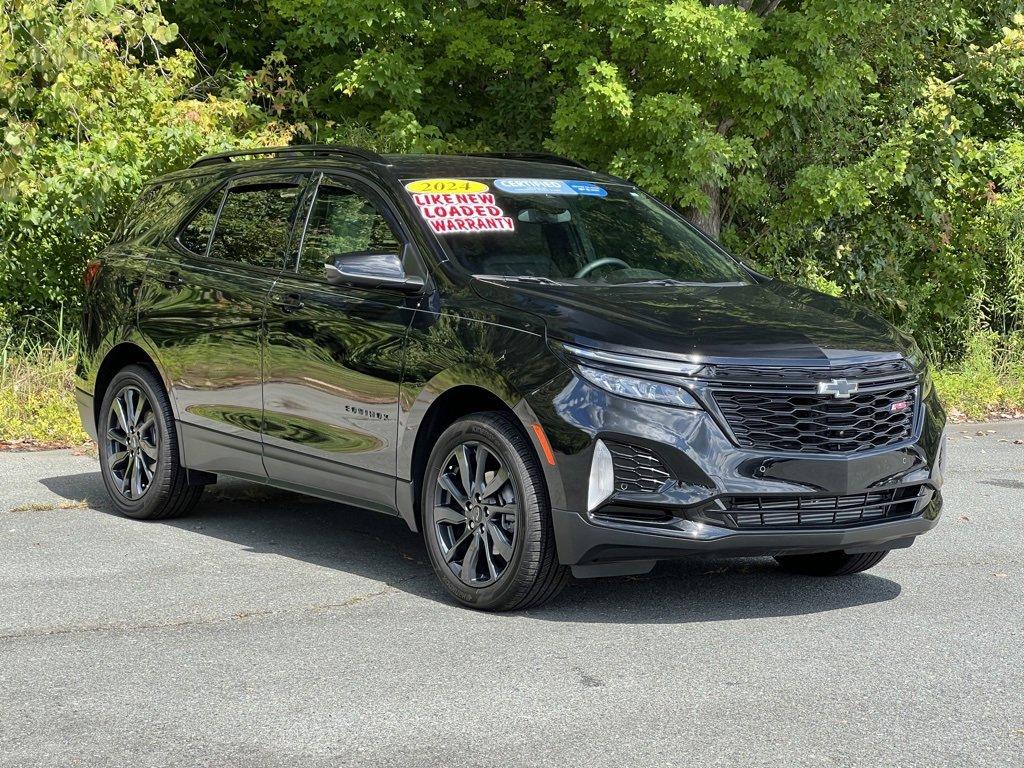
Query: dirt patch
(43, 506)
(29, 446)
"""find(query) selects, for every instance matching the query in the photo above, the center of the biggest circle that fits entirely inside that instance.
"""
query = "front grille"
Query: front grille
(750, 512)
(637, 469)
(780, 409)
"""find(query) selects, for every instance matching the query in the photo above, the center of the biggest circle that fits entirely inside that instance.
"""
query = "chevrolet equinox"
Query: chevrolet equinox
(542, 368)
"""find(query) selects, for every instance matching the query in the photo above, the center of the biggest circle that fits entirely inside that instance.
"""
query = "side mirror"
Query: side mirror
(368, 269)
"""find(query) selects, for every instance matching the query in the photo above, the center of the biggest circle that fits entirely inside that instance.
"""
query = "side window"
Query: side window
(254, 224)
(343, 221)
(196, 234)
(154, 208)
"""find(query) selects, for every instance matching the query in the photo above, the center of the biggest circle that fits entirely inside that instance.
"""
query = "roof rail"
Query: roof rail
(311, 150)
(536, 157)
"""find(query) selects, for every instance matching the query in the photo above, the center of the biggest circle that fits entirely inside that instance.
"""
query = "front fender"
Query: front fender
(499, 360)
(416, 403)
(467, 381)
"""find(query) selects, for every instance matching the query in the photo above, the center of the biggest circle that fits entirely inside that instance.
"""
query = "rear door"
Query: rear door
(333, 355)
(204, 308)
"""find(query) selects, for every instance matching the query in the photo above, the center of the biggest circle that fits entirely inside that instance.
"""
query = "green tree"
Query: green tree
(91, 106)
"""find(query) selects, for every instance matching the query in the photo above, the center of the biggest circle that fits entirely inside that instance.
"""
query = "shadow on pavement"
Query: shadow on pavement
(323, 533)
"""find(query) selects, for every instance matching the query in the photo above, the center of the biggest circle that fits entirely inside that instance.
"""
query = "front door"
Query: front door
(203, 309)
(333, 357)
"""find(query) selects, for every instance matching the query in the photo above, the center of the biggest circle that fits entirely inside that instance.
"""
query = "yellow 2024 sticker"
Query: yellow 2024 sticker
(445, 185)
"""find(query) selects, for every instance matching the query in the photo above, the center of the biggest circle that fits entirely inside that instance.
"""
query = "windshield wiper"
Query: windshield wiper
(521, 278)
(692, 283)
(660, 281)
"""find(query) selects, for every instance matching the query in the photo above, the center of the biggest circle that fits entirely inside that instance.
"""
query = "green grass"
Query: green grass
(37, 379)
(37, 404)
(988, 382)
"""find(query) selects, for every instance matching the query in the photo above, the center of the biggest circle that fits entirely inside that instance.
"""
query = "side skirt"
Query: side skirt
(207, 453)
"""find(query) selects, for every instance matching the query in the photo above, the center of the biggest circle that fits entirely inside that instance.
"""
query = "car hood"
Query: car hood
(770, 321)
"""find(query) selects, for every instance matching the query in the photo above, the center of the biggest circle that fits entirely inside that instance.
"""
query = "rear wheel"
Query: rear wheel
(138, 449)
(486, 518)
(830, 563)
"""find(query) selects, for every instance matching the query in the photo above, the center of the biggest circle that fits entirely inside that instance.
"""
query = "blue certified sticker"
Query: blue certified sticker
(549, 187)
(534, 186)
(586, 188)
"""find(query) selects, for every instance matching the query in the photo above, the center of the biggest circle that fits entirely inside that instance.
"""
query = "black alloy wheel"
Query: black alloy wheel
(132, 441)
(486, 516)
(475, 512)
(138, 444)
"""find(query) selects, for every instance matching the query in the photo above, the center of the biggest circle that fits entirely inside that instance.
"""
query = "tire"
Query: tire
(515, 565)
(836, 563)
(127, 441)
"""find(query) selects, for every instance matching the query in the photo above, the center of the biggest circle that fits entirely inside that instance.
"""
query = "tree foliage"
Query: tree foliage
(870, 148)
(91, 106)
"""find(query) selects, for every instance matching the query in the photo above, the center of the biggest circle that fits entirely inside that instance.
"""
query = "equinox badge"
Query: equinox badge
(838, 388)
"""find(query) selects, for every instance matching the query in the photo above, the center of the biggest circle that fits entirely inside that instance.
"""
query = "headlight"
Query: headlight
(639, 362)
(638, 389)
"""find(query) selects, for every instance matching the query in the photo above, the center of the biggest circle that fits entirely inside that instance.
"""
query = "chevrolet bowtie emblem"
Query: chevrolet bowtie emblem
(838, 388)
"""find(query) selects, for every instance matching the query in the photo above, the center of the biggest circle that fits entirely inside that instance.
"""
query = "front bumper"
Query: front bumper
(708, 471)
(598, 547)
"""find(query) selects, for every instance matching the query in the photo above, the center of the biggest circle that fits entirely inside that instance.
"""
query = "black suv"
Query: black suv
(542, 368)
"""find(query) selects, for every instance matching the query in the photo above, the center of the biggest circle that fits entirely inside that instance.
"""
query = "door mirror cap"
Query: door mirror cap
(370, 269)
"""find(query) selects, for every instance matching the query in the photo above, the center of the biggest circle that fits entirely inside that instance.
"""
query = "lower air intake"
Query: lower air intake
(760, 512)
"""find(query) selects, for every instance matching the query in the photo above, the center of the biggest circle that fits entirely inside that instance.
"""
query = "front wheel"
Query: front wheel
(830, 563)
(486, 518)
(138, 449)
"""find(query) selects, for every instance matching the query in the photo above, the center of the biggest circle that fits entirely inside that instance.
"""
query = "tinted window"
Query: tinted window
(196, 234)
(254, 224)
(156, 205)
(343, 221)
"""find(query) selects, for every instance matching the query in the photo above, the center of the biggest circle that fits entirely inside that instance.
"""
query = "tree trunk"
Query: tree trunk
(709, 222)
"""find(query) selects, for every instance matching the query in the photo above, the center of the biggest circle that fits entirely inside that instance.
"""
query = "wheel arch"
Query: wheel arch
(119, 356)
(436, 408)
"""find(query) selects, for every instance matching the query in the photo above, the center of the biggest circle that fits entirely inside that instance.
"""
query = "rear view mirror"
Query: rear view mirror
(368, 269)
(538, 216)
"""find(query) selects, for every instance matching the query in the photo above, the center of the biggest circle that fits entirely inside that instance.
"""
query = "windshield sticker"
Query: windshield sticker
(549, 187)
(587, 189)
(450, 214)
(445, 185)
(534, 186)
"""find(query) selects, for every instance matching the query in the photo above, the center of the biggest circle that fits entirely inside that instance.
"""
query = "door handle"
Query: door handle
(289, 303)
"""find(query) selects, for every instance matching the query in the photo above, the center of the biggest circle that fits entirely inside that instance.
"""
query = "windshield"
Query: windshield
(567, 231)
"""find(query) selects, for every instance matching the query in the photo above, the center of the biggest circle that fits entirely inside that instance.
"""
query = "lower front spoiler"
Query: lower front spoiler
(596, 547)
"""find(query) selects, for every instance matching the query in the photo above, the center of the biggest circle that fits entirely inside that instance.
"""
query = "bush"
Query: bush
(988, 381)
(91, 110)
(37, 404)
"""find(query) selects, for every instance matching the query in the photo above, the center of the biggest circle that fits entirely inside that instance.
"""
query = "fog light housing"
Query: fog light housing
(602, 476)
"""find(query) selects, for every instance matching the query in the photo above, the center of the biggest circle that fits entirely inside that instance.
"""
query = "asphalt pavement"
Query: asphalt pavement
(269, 629)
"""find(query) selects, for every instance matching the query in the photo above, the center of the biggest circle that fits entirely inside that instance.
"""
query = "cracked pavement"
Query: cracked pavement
(269, 629)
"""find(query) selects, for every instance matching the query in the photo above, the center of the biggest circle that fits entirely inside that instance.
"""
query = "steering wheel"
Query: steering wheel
(606, 261)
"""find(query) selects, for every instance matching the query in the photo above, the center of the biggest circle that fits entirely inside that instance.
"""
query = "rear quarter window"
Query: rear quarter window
(155, 208)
